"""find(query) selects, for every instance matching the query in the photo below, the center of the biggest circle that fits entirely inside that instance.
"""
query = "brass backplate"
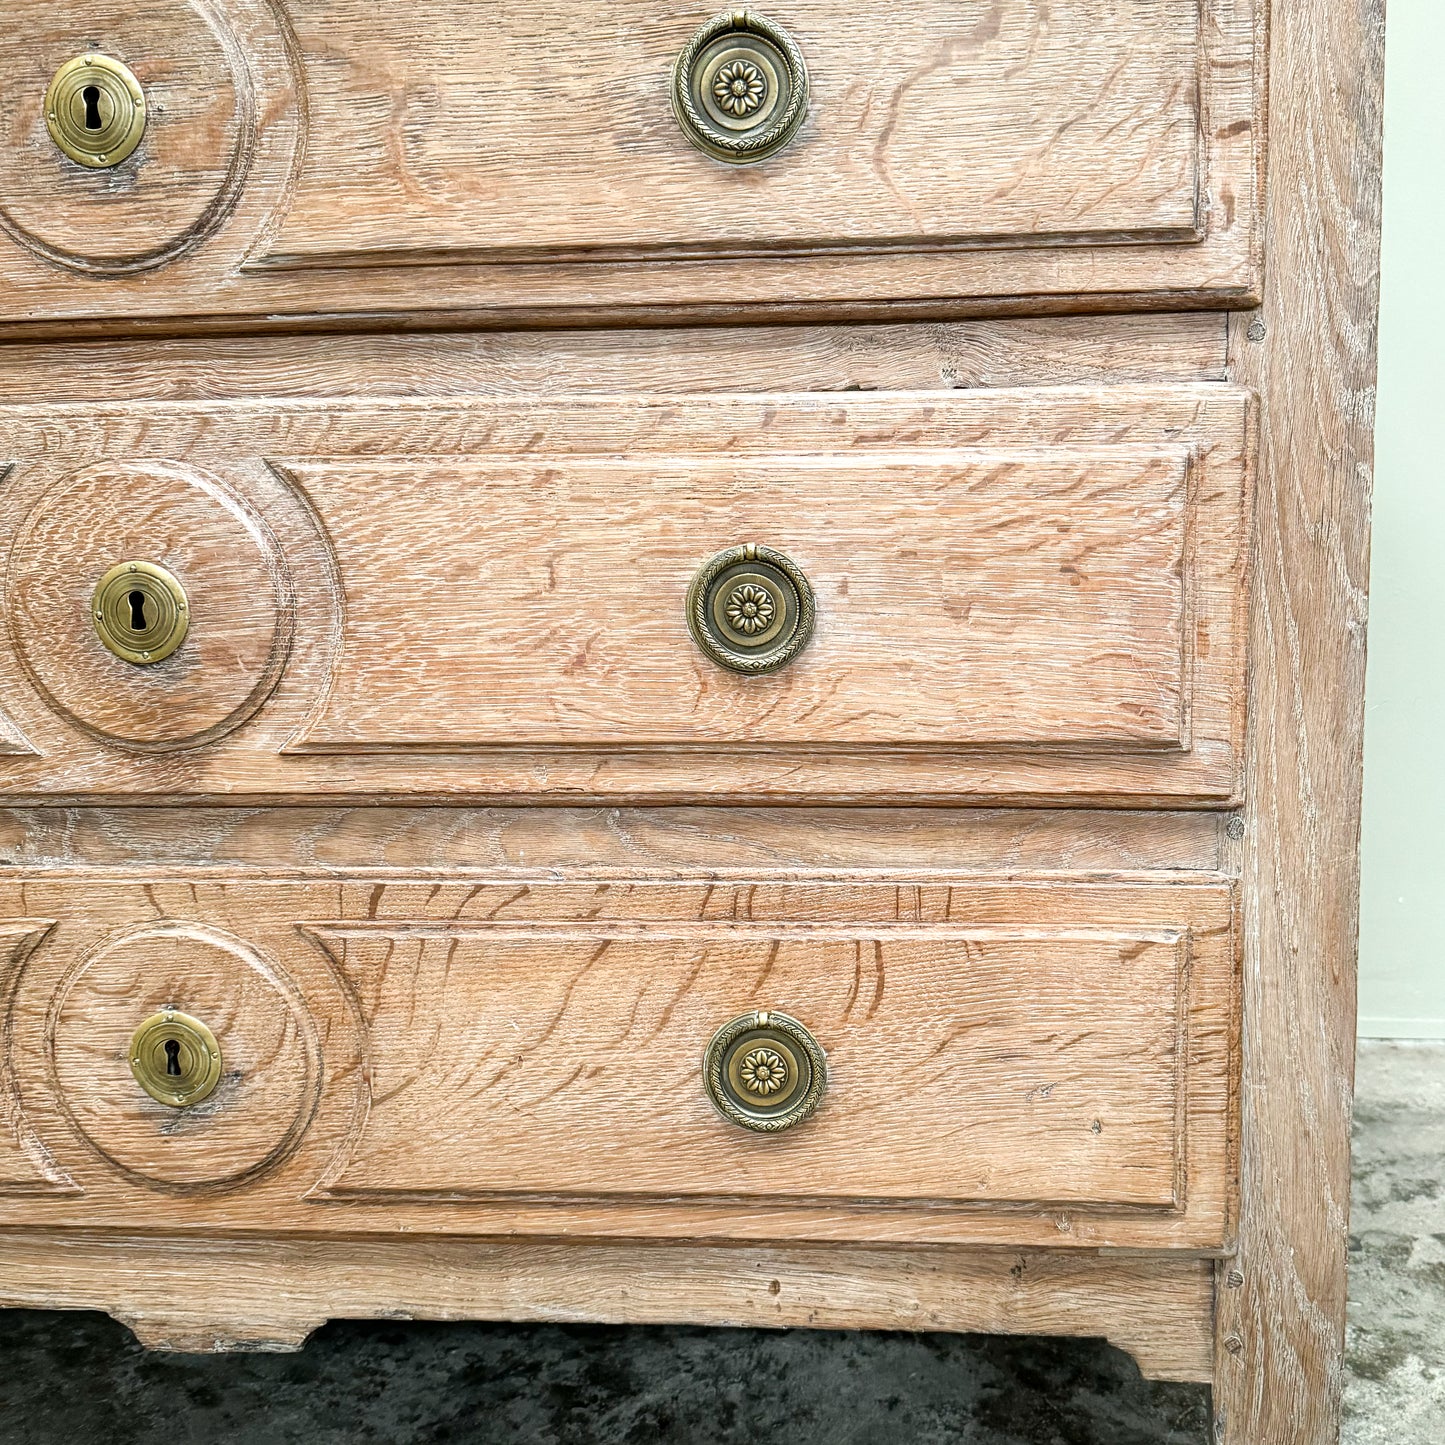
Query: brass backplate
(740, 88)
(750, 609)
(140, 612)
(95, 111)
(175, 1058)
(764, 1071)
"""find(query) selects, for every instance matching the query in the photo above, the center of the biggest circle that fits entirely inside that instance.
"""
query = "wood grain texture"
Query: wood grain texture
(1032, 594)
(367, 164)
(1009, 599)
(270, 1064)
(1157, 1309)
(1150, 194)
(700, 842)
(25, 1165)
(173, 516)
(1015, 351)
(1311, 353)
(594, 1093)
(199, 144)
(1066, 120)
(1015, 1061)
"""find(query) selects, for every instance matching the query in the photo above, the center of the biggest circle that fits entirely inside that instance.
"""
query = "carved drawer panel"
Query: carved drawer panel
(1016, 594)
(332, 156)
(999, 1061)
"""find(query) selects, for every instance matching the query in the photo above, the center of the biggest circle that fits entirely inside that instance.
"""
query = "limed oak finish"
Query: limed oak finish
(323, 159)
(489, 598)
(1042, 352)
(1009, 1061)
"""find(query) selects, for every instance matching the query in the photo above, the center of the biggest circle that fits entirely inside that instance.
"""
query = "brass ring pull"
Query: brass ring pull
(175, 1058)
(765, 1072)
(750, 609)
(740, 88)
(95, 111)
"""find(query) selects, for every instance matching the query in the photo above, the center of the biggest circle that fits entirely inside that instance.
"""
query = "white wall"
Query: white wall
(1402, 941)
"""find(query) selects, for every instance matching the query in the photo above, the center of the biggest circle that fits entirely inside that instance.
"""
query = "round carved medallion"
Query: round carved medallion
(126, 1022)
(209, 598)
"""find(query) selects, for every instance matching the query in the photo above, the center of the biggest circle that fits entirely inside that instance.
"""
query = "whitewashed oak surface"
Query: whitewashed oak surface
(330, 158)
(302, 176)
(1033, 594)
(1041, 1061)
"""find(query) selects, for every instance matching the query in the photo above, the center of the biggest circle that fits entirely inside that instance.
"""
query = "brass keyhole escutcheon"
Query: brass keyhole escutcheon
(740, 88)
(95, 111)
(175, 1058)
(764, 1071)
(140, 612)
(750, 609)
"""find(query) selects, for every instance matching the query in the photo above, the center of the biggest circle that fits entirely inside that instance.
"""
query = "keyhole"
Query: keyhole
(91, 96)
(137, 602)
(173, 1058)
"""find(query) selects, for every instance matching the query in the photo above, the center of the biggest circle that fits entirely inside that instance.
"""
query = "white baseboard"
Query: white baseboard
(1384, 1028)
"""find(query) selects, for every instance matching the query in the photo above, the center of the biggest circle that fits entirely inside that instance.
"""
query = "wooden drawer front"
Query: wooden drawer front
(1027, 593)
(339, 157)
(1006, 1060)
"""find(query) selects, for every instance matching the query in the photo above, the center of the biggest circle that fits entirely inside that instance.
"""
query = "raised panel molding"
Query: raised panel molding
(26, 1166)
(1026, 1061)
(237, 583)
(225, 123)
(1052, 834)
(489, 598)
(568, 1057)
(324, 159)
(1013, 598)
(1095, 128)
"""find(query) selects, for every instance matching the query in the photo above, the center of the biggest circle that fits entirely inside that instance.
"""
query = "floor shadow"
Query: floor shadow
(82, 1379)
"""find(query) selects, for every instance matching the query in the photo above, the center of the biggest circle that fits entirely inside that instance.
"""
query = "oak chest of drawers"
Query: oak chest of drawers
(682, 667)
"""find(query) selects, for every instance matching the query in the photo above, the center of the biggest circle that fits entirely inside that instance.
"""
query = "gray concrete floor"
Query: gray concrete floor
(1395, 1394)
(80, 1379)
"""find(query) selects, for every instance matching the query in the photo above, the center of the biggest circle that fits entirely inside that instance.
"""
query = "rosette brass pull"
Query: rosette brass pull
(750, 609)
(765, 1071)
(740, 88)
